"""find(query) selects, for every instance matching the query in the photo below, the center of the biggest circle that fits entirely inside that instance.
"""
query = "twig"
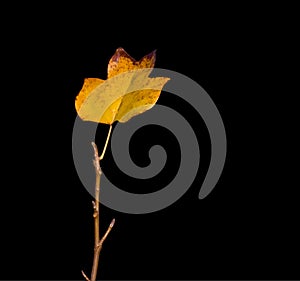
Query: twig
(97, 251)
(85, 277)
(97, 241)
(106, 233)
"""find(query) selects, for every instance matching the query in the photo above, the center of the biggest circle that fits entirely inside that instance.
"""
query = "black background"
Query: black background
(245, 229)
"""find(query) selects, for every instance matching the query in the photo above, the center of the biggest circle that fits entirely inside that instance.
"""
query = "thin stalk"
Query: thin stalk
(98, 242)
(96, 213)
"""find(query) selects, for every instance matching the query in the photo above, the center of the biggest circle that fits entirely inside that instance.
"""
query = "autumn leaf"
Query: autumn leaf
(127, 92)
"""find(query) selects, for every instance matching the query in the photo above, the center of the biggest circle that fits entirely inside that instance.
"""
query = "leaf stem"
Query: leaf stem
(106, 142)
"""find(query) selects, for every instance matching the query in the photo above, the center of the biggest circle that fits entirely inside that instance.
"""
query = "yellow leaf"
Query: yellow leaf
(127, 92)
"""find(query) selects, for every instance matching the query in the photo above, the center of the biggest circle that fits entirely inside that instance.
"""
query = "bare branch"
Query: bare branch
(97, 242)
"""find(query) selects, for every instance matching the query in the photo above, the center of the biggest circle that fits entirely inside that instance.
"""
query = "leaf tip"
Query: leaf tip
(151, 56)
(120, 52)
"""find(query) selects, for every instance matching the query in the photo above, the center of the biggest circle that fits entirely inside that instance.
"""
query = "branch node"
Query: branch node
(96, 160)
(95, 214)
